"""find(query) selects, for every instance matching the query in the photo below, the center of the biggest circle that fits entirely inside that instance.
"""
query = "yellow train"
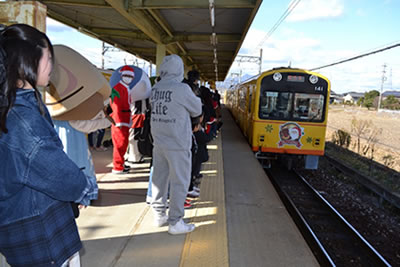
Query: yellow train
(283, 111)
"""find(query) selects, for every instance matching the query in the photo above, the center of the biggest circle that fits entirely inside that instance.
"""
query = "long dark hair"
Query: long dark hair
(21, 48)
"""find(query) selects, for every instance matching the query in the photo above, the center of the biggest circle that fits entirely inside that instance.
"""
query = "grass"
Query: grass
(388, 178)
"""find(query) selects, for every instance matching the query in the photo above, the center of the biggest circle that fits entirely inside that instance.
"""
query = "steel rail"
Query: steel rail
(311, 238)
(339, 229)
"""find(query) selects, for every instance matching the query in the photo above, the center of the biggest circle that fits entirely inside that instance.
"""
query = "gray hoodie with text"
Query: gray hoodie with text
(172, 104)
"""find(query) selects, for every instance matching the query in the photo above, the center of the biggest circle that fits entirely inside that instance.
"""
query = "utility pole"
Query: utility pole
(383, 80)
(151, 68)
(240, 74)
(104, 50)
(234, 75)
(251, 59)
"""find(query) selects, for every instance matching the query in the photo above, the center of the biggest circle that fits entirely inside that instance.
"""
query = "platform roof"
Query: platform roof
(207, 34)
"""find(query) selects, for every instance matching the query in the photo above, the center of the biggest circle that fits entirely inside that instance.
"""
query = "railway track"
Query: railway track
(332, 239)
(369, 183)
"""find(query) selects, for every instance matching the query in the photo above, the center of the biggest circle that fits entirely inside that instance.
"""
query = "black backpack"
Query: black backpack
(144, 137)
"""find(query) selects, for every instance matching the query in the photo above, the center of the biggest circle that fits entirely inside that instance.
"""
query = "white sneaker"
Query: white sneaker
(124, 171)
(160, 220)
(196, 189)
(101, 148)
(180, 228)
(193, 194)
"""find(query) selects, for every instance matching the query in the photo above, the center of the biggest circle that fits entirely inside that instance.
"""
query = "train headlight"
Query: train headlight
(277, 76)
(313, 79)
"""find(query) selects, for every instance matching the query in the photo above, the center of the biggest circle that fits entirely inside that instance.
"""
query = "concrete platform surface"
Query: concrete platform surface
(240, 220)
(117, 229)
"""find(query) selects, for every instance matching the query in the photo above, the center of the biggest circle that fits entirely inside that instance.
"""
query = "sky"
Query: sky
(314, 34)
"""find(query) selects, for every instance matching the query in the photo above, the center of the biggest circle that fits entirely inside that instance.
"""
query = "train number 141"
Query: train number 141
(319, 88)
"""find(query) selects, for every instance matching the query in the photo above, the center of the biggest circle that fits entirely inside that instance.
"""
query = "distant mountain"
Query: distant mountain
(246, 77)
(388, 93)
(232, 82)
(333, 93)
(354, 94)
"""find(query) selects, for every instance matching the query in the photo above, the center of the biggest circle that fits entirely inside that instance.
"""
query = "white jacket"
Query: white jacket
(87, 126)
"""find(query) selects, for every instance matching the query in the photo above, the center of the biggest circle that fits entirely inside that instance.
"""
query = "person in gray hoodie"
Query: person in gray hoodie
(173, 104)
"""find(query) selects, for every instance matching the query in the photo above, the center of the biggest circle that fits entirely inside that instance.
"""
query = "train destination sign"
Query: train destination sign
(295, 78)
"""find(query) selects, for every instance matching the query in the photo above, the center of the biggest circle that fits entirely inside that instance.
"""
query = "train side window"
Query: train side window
(249, 107)
(308, 106)
(250, 99)
(242, 100)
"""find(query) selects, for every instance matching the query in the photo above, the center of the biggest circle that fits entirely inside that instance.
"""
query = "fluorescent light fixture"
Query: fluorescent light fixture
(214, 39)
(212, 13)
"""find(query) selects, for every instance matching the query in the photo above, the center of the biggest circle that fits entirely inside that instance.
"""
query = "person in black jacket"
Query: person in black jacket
(192, 81)
(199, 155)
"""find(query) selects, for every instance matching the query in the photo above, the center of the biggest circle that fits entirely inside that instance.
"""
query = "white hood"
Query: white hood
(172, 68)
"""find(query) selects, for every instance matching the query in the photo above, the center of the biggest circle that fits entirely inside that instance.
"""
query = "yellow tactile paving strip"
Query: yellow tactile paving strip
(207, 245)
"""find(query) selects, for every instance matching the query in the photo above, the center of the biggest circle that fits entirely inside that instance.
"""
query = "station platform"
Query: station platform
(240, 220)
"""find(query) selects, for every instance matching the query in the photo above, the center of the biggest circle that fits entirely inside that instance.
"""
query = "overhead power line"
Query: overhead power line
(357, 57)
(289, 10)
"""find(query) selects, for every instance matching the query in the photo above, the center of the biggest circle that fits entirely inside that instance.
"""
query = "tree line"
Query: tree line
(371, 100)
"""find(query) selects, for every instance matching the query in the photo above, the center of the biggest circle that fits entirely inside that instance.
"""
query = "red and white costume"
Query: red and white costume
(120, 104)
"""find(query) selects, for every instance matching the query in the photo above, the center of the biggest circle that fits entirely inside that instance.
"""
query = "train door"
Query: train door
(250, 111)
(236, 101)
(242, 106)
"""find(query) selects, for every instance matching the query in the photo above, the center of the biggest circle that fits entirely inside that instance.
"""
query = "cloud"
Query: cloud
(55, 26)
(305, 49)
(361, 75)
(302, 51)
(290, 46)
(361, 12)
(316, 9)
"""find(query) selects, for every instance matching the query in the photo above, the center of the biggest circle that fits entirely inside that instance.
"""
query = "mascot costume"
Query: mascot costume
(129, 84)
(76, 96)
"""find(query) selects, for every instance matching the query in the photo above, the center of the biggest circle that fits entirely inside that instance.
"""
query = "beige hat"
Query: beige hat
(77, 88)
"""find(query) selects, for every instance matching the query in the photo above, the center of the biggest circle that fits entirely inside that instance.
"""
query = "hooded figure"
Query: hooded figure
(129, 84)
(173, 104)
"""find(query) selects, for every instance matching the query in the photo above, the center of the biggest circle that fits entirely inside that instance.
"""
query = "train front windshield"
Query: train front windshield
(297, 101)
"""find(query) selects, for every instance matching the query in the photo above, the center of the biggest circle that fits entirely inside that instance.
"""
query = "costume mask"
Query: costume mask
(127, 80)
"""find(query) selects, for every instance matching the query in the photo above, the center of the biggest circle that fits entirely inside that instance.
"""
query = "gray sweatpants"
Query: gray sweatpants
(171, 167)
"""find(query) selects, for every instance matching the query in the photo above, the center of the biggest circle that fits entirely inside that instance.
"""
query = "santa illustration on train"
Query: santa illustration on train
(290, 133)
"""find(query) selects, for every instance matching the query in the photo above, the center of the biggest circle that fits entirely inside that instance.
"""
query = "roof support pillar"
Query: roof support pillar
(160, 54)
(32, 13)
